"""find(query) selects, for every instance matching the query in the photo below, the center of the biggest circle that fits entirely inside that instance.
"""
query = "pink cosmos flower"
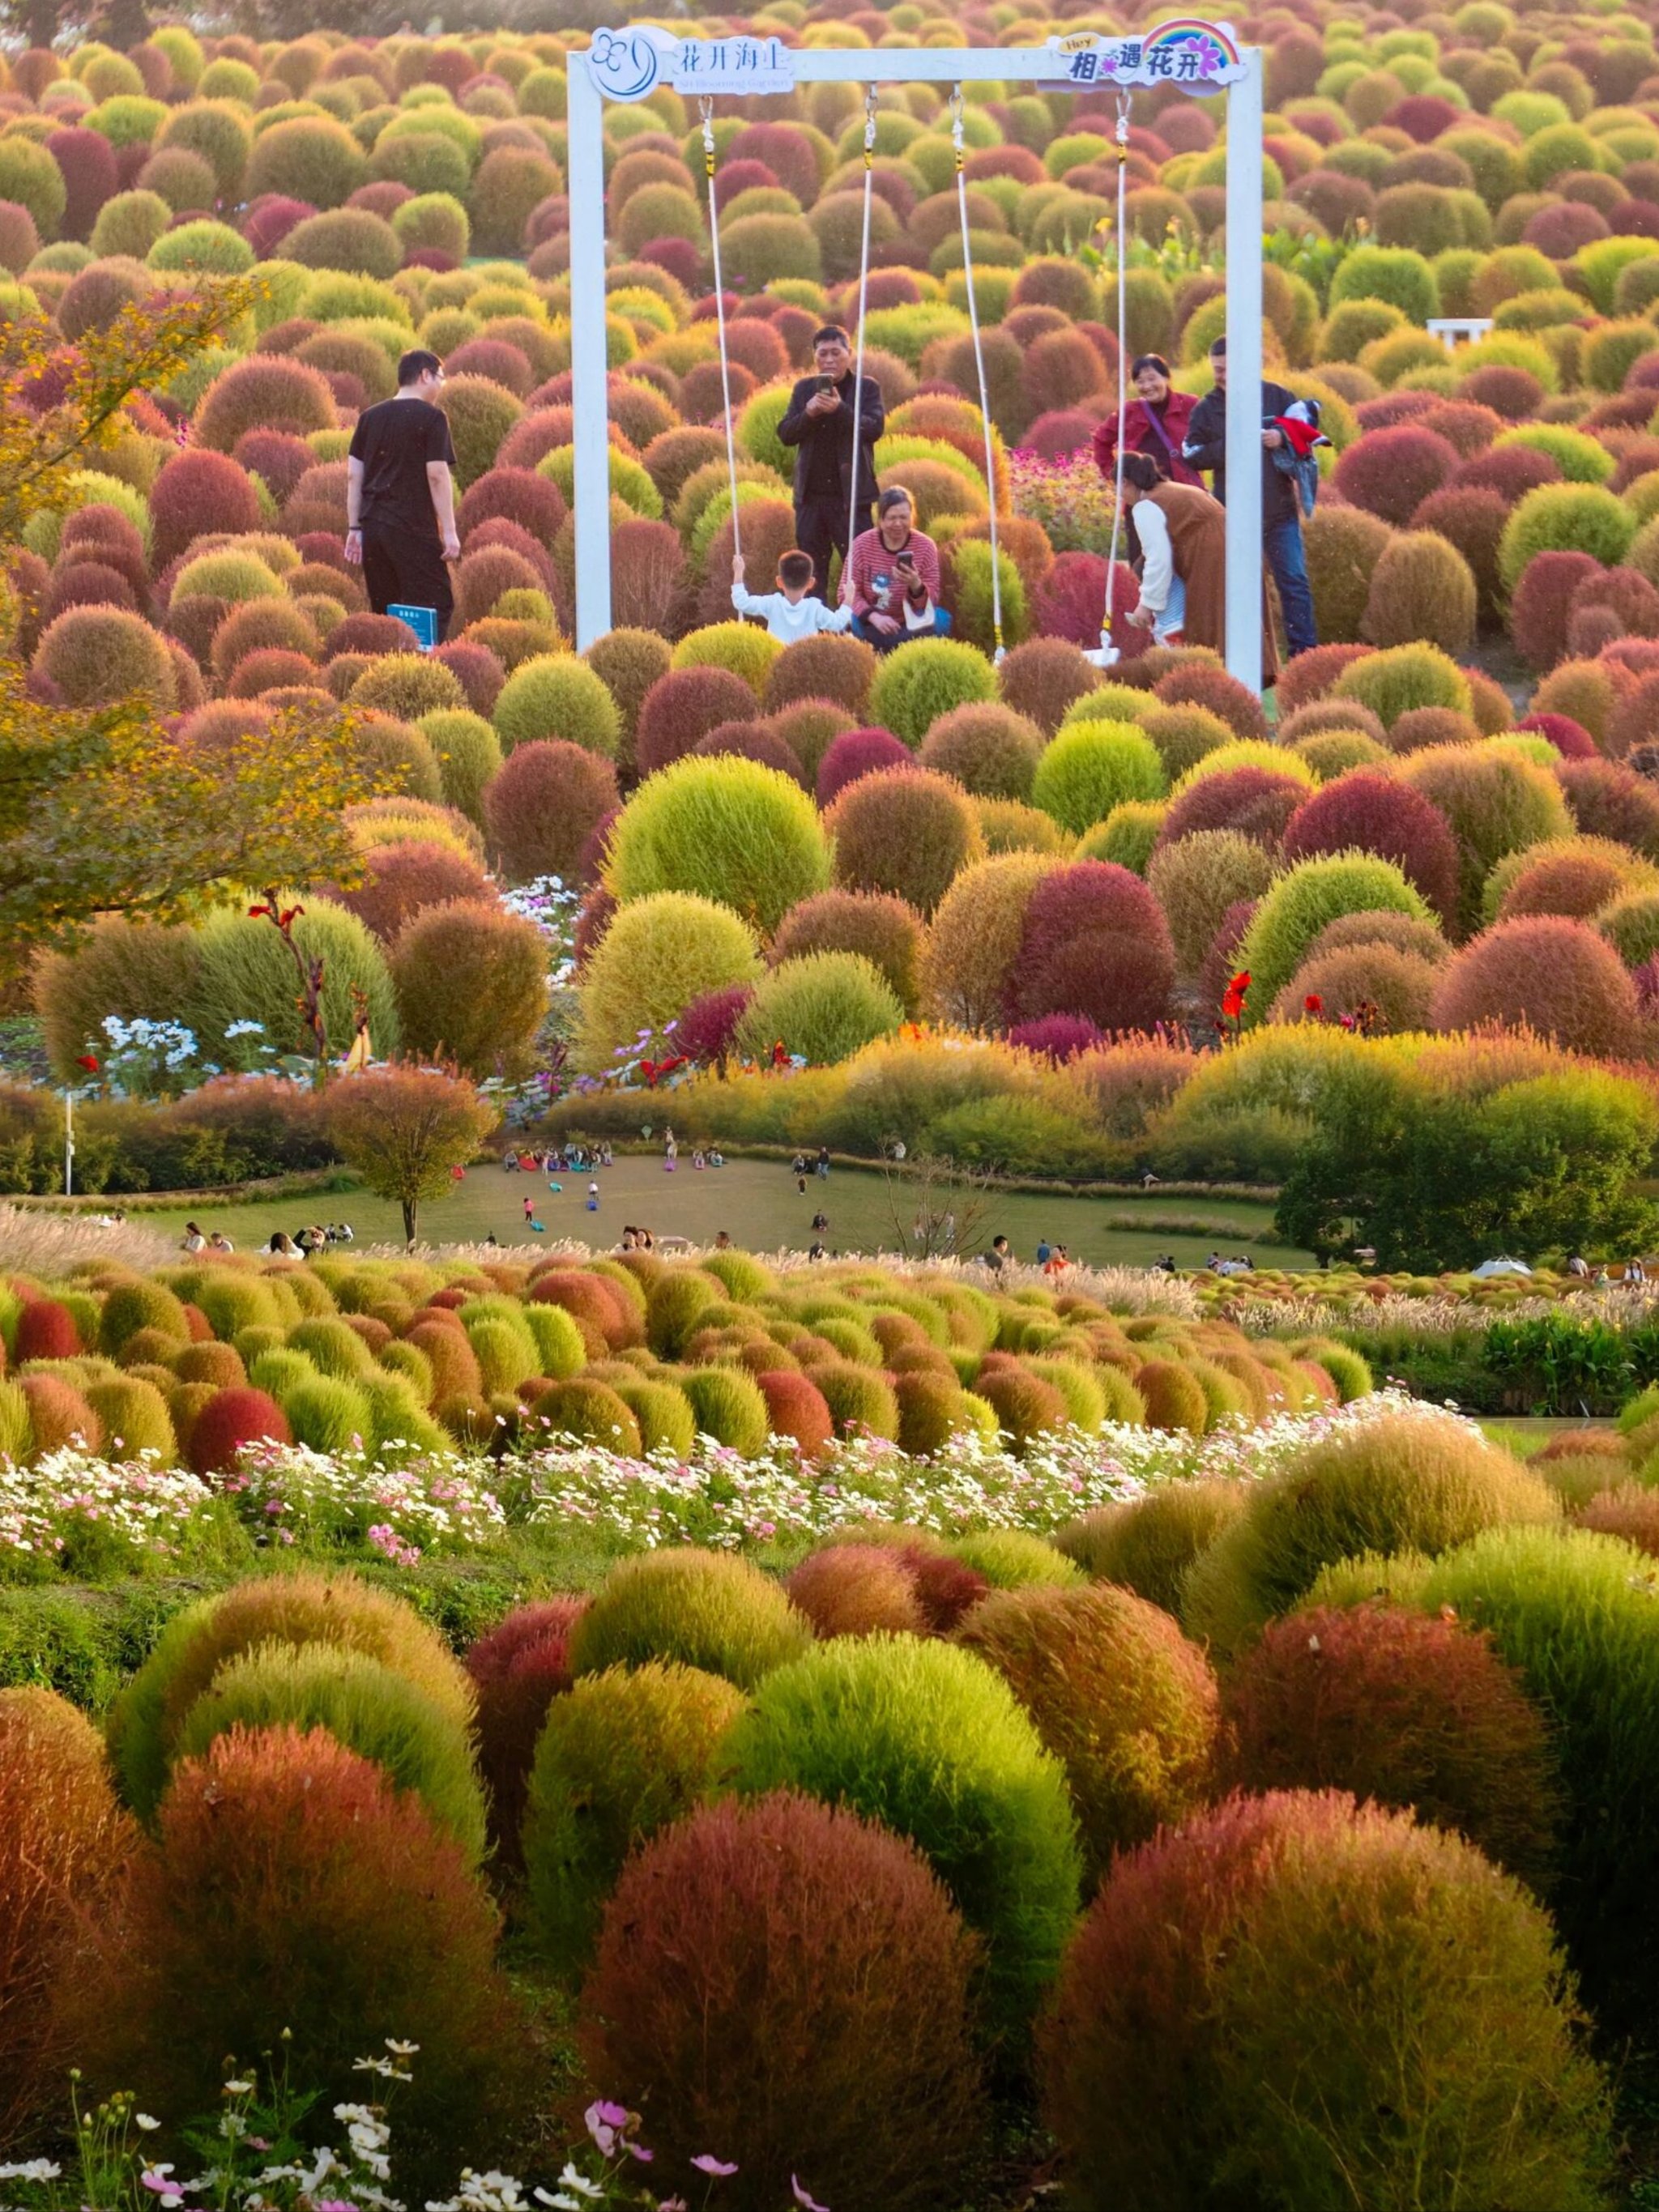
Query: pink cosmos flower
(707, 2164)
(807, 2204)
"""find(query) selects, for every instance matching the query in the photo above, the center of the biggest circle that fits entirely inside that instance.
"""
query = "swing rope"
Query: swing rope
(864, 293)
(1107, 650)
(979, 365)
(708, 163)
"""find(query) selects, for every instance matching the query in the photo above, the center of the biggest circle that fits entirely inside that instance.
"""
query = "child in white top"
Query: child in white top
(788, 613)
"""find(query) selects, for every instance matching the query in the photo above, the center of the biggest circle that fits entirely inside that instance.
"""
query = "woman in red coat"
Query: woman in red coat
(1154, 424)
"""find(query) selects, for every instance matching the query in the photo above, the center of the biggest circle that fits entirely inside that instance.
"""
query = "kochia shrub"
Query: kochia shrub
(1302, 902)
(657, 956)
(366, 1706)
(702, 1608)
(884, 930)
(1546, 972)
(1196, 879)
(723, 829)
(1565, 518)
(904, 832)
(1392, 682)
(542, 807)
(823, 1006)
(1416, 1713)
(622, 1755)
(1496, 801)
(930, 1741)
(1375, 813)
(294, 1887)
(791, 1982)
(918, 684)
(1090, 767)
(1119, 1696)
(1422, 588)
(1093, 942)
(1175, 2056)
(990, 751)
(472, 983)
(1147, 1544)
(1409, 1482)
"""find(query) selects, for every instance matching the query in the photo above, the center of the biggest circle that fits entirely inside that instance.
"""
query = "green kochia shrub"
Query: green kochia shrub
(1294, 1989)
(364, 1705)
(1300, 904)
(824, 1006)
(1392, 682)
(919, 682)
(703, 1608)
(281, 1608)
(1147, 1544)
(727, 1405)
(1575, 1614)
(1408, 1482)
(658, 955)
(246, 973)
(929, 1742)
(1090, 767)
(723, 829)
(1570, 518)
(621, 1756)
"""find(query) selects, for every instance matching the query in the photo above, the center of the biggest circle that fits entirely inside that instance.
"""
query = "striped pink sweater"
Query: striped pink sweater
(877, 587)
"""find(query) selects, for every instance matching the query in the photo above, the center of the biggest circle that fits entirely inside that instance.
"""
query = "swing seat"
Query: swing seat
(1104, 656)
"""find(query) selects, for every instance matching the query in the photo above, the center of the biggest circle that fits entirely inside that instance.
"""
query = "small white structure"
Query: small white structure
(1197, 56)
(1490, 1268)
(1453, 329)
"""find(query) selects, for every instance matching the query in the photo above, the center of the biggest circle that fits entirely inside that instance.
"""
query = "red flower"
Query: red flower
(90, 1063)
(1232, 1001)
(1313, 1004)
(255, 912)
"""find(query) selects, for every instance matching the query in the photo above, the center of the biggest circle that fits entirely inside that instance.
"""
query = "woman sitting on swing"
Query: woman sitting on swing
(1154, 424)
(892, 581)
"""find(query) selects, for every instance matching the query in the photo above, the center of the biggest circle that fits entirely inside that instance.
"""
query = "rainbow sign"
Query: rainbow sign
(1197, 56)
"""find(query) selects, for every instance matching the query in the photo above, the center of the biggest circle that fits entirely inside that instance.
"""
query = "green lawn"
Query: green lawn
(757, 1203)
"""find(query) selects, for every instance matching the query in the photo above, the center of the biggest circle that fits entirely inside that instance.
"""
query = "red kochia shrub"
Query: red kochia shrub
(1513, 394)
(1540, 603)
(64, 1847)
(789, 1986)
(519, 495)
(1071, 599)
(709, 1023)
(371, 634)
(1555, 975)
(199, 492)
(1310, 675)
(857, 1589)
(1570, 883)
(541, 806)
(1041, 677)
(519, 1667)
(477, 672)
(1364, 811)
(400, 879)
(90, 175)
(1202, 683)
(1610, 800)
(647, 576)
(294, 1887)
(1255, 801)
(275, 456)
(796, 1408)
(231, 1418)
(1095, 943)
(684, 706)
(1509, 471)
(591, 1302)
(46, 1330)
(86, 584)
(1059, 1037)
(1471, 517)
(1391, 472)
(264, 391)
(1614, 605)
(857, 753)
(1570, 739)
(1635, 718)
(840, 669)
(1409, 1709)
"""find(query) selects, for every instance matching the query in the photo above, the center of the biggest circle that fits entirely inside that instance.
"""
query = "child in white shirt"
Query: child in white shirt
(788, 613)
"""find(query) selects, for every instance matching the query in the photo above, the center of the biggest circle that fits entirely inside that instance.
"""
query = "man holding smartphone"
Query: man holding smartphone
(818, 424)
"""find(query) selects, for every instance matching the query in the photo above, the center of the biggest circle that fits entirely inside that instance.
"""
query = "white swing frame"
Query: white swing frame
(871, 66)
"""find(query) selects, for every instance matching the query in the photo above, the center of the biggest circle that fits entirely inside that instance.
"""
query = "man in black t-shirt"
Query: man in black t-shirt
(818, 424)
(400, 494)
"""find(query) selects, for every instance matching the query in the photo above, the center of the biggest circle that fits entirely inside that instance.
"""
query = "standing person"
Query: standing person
(892, 580)
(1205, 448)
(1183, 577)
(400, 494)
(999, 1256)
(818, 424)
(671, 1151)
(1155, 424)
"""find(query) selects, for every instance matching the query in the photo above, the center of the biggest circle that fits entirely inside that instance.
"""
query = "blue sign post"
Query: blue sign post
(423, 620)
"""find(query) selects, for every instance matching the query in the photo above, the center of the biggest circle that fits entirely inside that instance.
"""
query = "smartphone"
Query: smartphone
(826, 384)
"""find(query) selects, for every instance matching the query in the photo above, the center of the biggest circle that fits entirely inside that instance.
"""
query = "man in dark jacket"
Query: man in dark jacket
(820, 425)
(1205, 448)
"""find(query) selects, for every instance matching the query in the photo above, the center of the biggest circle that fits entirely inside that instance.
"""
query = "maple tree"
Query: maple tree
(408, 1131)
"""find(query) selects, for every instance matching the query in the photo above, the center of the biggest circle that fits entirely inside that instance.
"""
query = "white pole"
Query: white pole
(589, 397)
(1244, 557)
(69, 1144)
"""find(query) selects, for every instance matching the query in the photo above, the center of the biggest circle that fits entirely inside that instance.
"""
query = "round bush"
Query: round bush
(723, 828)
(1195, 882)
(1206, 1962)
(542, 807)
(265, 392)
(989, 749)
(232, 1419)
(1300, 904)
(1547, 972)
(1373, 813)
(1117, 1694)
(856, 1589)
(364, 1705)
(97, 655)
(312, 158)
(277, 1610)
(519, 1668)
(1254, 801)
(295, 1887)
(1564, 518)
(886, 932)
(1090, 767)
(1422, 588)
(751, 1935)
(64, 1844)
(842, 669)
(928, 1739)
(684, 706)
(1496, 802)
(1147, 1544)
(905, 832)
(823, 1006)
(621, 1756)
(851, 754)
(1390, 472)
(703, 1608)
(915, 687)
(1093, 943)
(657, 956)
(1406, 1482)
(1413, 1713)
(401, 880)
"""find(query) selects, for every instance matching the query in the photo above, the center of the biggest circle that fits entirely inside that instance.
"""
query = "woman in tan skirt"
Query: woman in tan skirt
(1183, 544)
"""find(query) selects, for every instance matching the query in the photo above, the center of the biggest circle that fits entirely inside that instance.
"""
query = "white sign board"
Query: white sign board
(628, 65)
(1194, 56)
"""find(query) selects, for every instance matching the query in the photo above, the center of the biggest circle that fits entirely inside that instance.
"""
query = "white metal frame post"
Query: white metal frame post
(925, 66)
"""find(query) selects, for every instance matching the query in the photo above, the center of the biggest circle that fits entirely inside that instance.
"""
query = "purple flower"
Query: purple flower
(806, 2202)
(606, 2124)
(705, 2163)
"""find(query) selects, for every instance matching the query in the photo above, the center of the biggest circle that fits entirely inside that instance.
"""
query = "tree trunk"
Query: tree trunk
(411, 1209)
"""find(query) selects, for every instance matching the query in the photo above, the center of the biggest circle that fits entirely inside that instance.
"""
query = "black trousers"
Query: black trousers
(408, 571)
(821, 523)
